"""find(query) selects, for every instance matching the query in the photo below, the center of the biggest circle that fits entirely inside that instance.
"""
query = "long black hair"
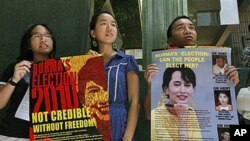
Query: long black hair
(25, 44)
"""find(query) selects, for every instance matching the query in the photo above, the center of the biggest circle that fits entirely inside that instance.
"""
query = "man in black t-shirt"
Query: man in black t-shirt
(181, 32)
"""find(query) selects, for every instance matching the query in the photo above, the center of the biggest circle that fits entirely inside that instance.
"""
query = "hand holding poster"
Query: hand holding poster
(192, 98)
(69, 99)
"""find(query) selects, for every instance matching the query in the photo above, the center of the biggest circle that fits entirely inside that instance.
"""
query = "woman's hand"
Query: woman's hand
(20, 70)
(92, 52)
(181, 109)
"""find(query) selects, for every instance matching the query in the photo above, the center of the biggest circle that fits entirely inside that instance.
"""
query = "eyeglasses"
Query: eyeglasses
(39, 36)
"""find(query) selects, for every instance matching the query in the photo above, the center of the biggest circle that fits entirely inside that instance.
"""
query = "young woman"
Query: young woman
(121, 75)
(37, 44)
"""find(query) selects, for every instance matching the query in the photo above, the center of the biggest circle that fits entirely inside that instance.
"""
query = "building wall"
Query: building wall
(240, 31)
(68, 20)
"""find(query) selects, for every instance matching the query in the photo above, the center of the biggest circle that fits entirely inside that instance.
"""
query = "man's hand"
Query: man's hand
(151, 70)
(232, 74)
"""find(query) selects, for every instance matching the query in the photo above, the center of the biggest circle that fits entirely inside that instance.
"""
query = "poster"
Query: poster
(200, 90)
(69, 100)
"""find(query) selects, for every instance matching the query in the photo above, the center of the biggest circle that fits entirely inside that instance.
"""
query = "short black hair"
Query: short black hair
(220, 56)
(169, 31)
(187, 75)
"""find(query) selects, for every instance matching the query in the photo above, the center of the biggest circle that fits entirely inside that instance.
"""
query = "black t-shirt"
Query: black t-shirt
(12, 126)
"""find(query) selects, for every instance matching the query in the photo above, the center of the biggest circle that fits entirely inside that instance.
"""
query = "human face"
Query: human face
(183, 33)
(41, 41)
(220, 62)
(226, 136)
(105, 31)
(223, 99)
(179, 91)
(96, 98)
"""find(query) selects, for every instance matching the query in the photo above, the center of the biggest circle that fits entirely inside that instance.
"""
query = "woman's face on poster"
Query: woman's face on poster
(223, 99)
(179, 91)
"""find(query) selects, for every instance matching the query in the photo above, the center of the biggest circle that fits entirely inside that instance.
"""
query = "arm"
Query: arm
(151, 70)
(5, 93)
(6, 90)
(134, 106)
(232, 74)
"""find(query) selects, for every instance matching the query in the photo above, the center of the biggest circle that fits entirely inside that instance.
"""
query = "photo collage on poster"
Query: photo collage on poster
(195, 79)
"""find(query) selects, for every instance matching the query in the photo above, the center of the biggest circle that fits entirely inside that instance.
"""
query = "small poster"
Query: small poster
(69, 100)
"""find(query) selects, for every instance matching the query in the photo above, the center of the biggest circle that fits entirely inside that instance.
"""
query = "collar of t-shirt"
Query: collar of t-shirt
(177, 47)
(174, 47)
